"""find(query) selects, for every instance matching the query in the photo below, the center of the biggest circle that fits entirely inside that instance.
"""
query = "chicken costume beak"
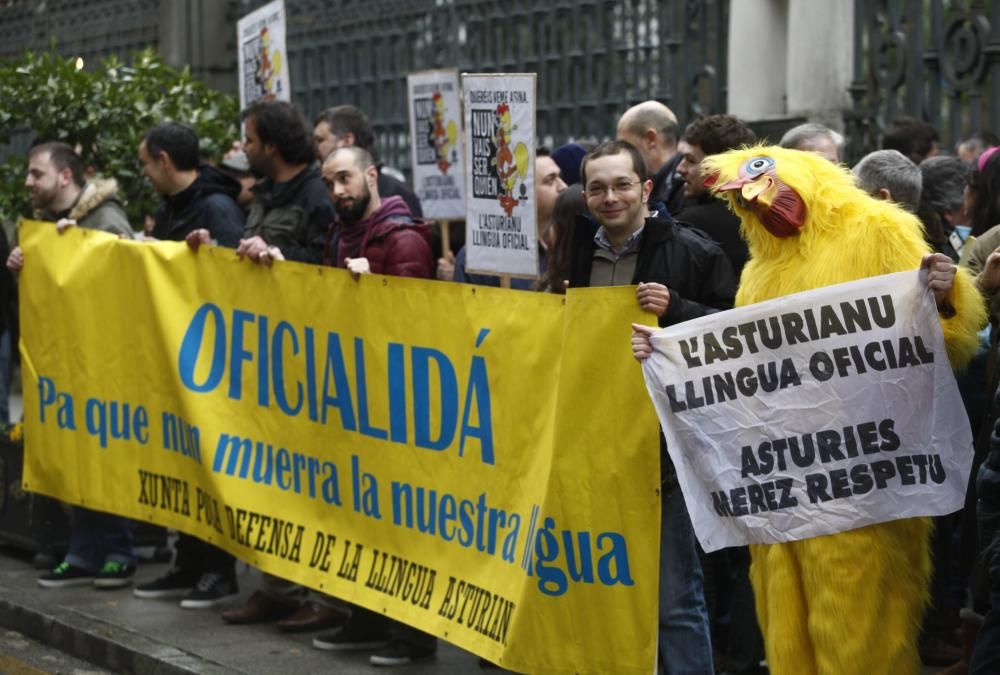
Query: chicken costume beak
(725, 187)
(781, 212)
(750, 188)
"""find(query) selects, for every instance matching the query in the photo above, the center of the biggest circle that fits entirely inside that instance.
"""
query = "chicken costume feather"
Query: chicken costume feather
(850, 602)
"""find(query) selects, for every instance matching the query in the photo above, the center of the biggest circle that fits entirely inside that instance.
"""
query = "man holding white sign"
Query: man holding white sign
(843, 417)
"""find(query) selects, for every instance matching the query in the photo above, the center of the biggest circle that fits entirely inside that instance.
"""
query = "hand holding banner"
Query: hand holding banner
(482, 465)
(812, 414)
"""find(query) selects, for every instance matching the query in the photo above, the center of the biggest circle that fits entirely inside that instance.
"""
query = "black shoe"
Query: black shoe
(401, 653)
(66, 575)
(212, 589)
(115, 574)
(174, 584)
(350, 638)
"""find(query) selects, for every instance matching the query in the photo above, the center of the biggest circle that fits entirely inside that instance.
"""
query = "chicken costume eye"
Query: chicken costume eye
(758, 165)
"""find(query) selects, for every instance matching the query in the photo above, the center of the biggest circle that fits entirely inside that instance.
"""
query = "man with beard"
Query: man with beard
(290, 211)
(60, 191)
(372, 234)
(347, 125)
(380, 236)
(288, 219)
(100, 544)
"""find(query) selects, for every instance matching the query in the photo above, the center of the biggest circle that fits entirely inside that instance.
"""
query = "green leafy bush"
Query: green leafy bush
(105, 111)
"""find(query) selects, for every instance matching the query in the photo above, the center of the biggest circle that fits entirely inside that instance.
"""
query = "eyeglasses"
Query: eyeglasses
(596, 190)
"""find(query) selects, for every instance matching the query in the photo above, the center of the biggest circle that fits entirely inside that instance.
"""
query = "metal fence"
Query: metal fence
(90, 30)
(593, 58)
(932, 59)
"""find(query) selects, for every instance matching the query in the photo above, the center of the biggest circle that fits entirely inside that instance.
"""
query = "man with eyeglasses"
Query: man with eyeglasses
(681, 274)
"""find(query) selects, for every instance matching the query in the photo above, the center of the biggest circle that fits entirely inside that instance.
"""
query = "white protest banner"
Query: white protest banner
(812, 414)
(262, 60)
(500, 188)
(436, 139)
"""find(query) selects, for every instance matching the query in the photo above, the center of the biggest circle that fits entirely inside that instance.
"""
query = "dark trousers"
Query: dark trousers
(986, 654)
(378, 624)
(198, 557)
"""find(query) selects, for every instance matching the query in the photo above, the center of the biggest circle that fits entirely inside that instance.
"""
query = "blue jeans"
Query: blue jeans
(685, 643)
(96, 538)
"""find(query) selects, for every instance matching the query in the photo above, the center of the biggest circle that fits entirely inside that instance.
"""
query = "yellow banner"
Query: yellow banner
(481, 464)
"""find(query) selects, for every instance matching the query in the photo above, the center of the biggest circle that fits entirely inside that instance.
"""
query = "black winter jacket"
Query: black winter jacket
(694, 268)
(209, 203)
(294, 218)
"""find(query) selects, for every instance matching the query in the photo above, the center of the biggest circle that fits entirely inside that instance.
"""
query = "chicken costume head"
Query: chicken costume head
(849, 603)
(808, 225)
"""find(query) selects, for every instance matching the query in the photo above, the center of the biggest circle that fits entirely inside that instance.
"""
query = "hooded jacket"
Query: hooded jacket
(393, 242)
(209, 202)
(97, 207)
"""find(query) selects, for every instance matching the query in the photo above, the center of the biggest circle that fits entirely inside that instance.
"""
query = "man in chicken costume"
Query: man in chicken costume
(849, 603)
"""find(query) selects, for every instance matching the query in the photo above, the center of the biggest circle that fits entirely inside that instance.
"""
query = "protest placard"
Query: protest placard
(500, 225)
(262, 61)
(812, 414)
(436, 141)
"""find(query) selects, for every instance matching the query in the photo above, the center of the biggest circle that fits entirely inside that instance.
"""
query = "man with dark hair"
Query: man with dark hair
(289, 218)
(60, 191)
(100, 544)
(915, 138)
(346, 125)
(291, 211)
(198, 199)
(193, 197)
(652, 128)
(681, 275)
(374, 234)
(710, 136)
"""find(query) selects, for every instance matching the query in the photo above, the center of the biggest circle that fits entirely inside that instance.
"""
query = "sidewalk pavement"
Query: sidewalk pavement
(117, 631)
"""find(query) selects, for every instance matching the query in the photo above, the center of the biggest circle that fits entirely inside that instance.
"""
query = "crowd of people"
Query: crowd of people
(632, 211)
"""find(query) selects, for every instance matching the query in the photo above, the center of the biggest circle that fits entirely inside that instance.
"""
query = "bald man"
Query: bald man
(652, 128)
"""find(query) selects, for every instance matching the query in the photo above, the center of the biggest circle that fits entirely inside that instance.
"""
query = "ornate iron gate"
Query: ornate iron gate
(594, 58)
(932, 59)
(79, 28)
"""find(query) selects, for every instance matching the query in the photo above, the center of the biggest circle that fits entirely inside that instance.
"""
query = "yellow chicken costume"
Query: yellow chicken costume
(849, 603)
